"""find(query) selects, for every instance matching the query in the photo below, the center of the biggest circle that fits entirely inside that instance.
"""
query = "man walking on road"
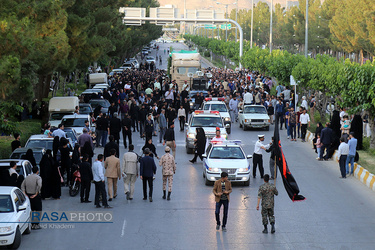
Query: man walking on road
(31, 186)
(147, 172)
(112, 172)
(169, 139)
(169, 169)
(99, 181)
(126, 125)
(258, 156)
(222, 189)
(352, 151)
(130, 171)
(304, 120)
(342, 155)
(266, 194)
(115, 128)
(162, 125)
(86, 177)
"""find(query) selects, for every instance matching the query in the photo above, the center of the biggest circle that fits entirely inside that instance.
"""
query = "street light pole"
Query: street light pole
(252, 23)
(307, 29)
(226, 24)
(236, 16)
(271, 26)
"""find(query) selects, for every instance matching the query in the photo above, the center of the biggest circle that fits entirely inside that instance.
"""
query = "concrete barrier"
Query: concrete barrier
(360, 173)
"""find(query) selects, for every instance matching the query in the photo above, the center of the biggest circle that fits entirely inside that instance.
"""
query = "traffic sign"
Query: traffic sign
(210, 26)
(225, 26)
(292, 81)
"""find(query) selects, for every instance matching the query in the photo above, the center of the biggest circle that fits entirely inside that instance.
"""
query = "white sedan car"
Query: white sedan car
(15, 212)
(150, 59)
(227, 156)
(254, 116)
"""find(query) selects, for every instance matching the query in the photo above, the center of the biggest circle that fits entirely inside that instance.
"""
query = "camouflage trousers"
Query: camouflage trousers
(170, 182)
(267, 213)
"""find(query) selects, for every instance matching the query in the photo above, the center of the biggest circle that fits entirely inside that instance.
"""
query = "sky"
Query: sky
(205, 4)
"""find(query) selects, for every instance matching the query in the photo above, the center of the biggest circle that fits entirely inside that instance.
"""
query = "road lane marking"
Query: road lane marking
(123, 229)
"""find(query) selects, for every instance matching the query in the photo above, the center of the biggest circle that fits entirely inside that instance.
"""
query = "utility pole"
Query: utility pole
(271, 9)
(307, 29)
(252, 23)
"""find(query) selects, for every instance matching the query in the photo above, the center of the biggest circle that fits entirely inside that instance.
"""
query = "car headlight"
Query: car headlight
(227, 119)
(243, 170)
(215, 170)
(191, 136)
(247, 120)
(5, 229)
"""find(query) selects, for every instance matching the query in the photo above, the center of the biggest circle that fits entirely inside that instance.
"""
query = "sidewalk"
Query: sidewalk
(360, 173)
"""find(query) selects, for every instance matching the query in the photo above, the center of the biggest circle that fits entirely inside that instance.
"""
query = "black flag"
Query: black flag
(290, 183)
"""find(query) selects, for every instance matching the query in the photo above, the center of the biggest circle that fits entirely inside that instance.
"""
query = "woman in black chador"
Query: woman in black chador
(200, 144)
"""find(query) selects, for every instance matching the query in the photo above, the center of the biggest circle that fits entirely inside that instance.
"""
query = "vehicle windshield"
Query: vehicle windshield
(58, 116)
(96, 103)
(216, 107)
(210, 121)
(37, 156)
(150, 58)
(47, 144)
(6, 204)
(71, 135)
(183, 70)
(85, 109)
(227, 153)
(254, 110)
(74, 122)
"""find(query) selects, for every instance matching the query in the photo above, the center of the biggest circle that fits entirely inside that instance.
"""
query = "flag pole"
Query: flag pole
(275, 172)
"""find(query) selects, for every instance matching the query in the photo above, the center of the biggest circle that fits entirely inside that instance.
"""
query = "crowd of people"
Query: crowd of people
(145, 101)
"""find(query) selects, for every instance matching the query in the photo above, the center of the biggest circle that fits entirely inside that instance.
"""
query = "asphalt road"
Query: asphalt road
(337, 214)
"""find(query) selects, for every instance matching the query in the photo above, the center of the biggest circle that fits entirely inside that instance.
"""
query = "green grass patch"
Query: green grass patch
(26, 128)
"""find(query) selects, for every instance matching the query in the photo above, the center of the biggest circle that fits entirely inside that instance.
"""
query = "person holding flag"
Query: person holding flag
(258, 157)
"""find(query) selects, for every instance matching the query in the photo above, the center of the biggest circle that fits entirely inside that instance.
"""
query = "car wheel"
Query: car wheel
(246, 183)
(268, 128)
(28, 229)
(207, 182)
(17, 240)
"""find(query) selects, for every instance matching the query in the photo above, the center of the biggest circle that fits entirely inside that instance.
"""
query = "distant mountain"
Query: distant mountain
(205, 4)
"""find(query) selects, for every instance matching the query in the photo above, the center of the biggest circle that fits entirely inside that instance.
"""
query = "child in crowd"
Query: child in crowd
(318, 145)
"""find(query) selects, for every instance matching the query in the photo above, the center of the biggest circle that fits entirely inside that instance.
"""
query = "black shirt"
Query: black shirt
(169, 135)
(15, 144)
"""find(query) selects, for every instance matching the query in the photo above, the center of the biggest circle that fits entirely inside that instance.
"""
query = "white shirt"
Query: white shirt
(98, 171)
(343, 150)
(304, 118)
(258, 149)
(218, 139)
(181, 112)
(304, 104)
(248, 97)
(157, 85)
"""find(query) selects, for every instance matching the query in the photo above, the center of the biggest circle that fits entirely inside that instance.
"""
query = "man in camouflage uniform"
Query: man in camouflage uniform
(169, 169)
(266, 194)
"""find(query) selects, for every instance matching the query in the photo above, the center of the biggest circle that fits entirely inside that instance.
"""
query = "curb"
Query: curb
(360, 173)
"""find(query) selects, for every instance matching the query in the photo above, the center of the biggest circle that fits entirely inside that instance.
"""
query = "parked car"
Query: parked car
(150, 59)
(77, 122)
(71, 134)
(41, 141)
(15, 216)
(102, 102)
(128, 65)
(85, 108)
(19, 153)
(24, 167)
